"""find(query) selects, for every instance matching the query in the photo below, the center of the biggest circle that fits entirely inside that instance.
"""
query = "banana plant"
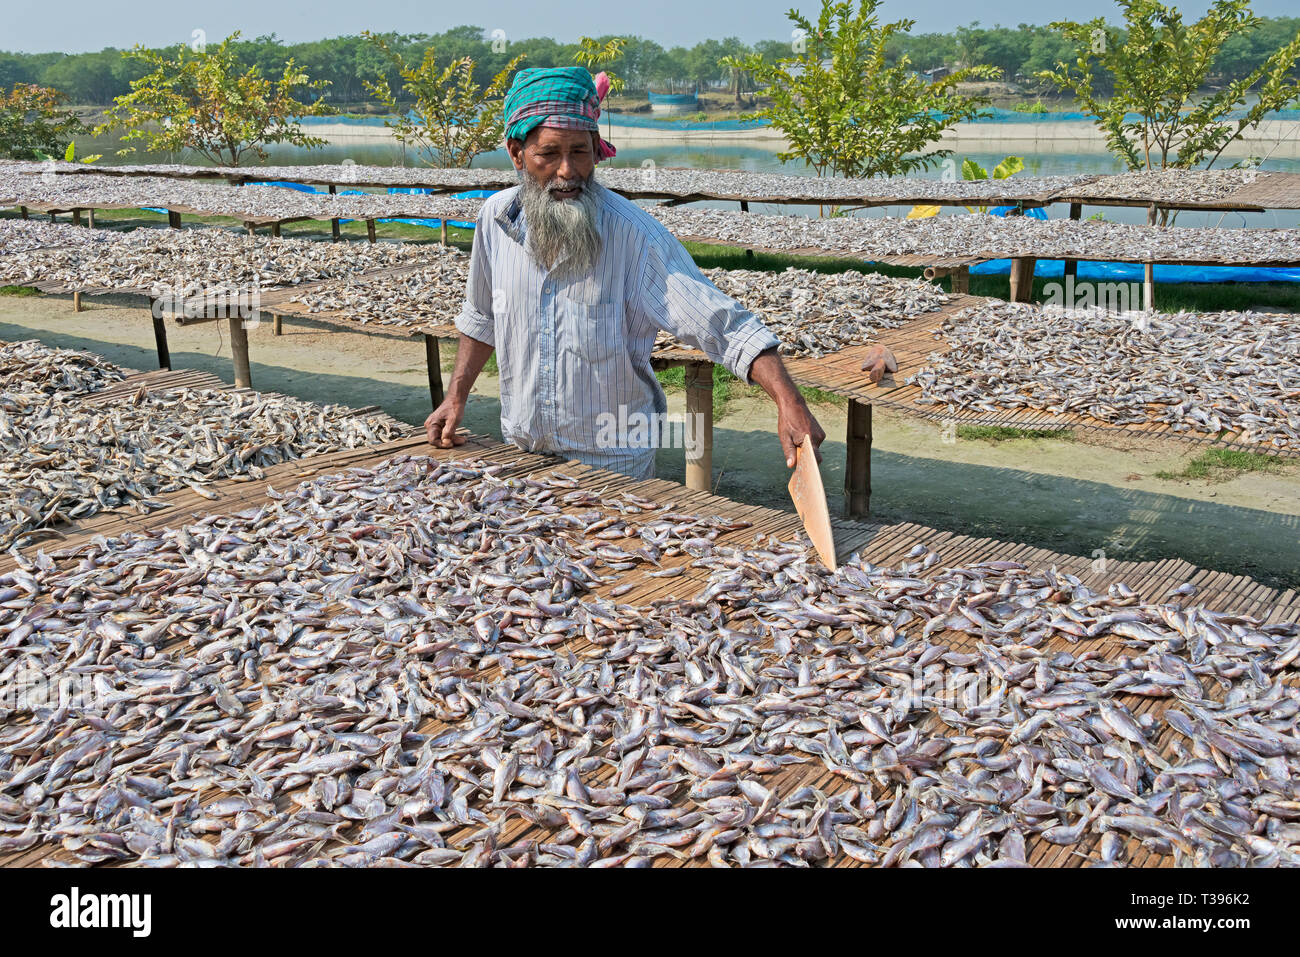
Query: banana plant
(971, 170)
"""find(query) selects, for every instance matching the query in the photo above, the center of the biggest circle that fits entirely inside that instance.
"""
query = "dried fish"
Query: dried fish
(1205, 373)
(985, 237)
(814, 314)
(394, 664)
(65, 458)
(171, 262)
(247, 203)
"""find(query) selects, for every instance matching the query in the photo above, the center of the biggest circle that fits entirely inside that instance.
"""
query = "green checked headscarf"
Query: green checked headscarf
(564, 97)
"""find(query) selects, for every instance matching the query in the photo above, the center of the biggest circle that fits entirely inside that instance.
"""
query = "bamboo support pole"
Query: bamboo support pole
(1072, 265)
(1149, 271)
(160, 336)
(434, 362)
(1022, 278)
(857, 464)
(239, 353)
(699, 426)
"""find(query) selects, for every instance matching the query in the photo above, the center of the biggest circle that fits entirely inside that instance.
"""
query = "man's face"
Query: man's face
(549, 154)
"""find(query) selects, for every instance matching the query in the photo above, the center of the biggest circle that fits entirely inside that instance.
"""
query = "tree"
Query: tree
(592, 54)
(453, 118)
(32, 125)
(1157, 71)
(202, 102)
(845, 110)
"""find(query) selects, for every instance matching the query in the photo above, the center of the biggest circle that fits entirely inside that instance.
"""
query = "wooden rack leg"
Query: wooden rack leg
(857, 465)
(961, 279)
(444, 232)
(76, 217)
(239, 353)
(76, 301)
(22, 212)
(434, 361)
(52, 219)
(173, 219)
(699, 426)
(370, 230)
(160, 336)
(1072, 265)
(275, 230)
(334, 230)
(278, 322)
(1022, 278)
(1149, 271)
(744, 208)
(90, 218)
(252, 230)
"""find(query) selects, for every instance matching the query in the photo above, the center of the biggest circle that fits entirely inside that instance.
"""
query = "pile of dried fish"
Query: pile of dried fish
(814, 314)
(246, 203)
(31, 372)
(1170, 186)
(341, 174)
(987, 237)
(778, 187)
(407, 665)
(429, 295)
(20, 235)
(1200, 372)
(663, 181)
(176, 260)
(66, 460)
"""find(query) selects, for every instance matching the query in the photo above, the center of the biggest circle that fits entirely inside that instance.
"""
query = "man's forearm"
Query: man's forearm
(471, 356)
(769, 372)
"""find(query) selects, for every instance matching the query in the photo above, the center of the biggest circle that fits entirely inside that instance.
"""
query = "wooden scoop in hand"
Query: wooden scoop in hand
(879, 361)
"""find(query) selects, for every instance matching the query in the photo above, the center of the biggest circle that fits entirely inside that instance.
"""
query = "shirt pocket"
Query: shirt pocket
(592, 333)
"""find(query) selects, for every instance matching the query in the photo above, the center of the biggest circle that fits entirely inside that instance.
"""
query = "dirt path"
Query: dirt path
(1091, 497)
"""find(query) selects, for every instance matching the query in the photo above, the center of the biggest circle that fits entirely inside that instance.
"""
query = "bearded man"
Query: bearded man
(571, 283)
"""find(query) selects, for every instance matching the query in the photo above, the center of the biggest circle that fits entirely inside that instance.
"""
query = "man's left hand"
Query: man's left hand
(794, 420)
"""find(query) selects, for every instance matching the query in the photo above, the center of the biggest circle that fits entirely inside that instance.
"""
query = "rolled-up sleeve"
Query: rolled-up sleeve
(675, 296)
(476, 318)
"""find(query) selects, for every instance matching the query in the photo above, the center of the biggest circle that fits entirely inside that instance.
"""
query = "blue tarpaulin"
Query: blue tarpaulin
(1133, 272)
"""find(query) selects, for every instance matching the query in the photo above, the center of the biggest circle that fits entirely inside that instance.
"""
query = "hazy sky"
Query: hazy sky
(76, 26)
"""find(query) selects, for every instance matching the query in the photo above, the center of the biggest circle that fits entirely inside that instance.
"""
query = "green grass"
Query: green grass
(18, 291)
(1220, 465)
(1004, 433)
(725, 386)
(822, 397)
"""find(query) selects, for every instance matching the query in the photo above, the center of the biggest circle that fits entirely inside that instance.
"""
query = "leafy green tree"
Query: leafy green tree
(32, 123)
(846, 110)
(453, 118)
(596, 56)
(201, 101)
(1157, 70)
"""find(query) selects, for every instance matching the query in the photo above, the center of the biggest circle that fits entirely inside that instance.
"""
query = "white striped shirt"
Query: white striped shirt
(571, 349)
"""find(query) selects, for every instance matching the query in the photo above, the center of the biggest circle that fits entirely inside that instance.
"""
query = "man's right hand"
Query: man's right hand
(442, 423)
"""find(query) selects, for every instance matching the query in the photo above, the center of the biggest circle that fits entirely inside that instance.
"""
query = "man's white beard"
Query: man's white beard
(562, 233)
